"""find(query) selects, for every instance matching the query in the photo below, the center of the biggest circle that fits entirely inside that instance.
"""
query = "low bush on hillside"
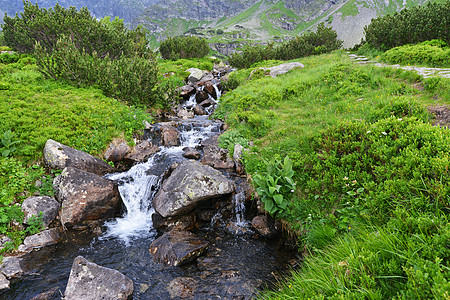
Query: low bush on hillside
(132, 79)
(430, 53)
(46, 26)
(183, 47)
(410, 26)
(322, 41)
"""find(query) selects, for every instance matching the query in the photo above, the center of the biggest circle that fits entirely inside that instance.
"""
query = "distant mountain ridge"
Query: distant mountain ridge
(236, 21)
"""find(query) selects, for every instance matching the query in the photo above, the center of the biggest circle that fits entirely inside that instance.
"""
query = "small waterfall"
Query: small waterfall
(136, 187)
(239, 207)
(218, 92)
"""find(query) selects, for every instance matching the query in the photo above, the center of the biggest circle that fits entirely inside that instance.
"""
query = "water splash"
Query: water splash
(136, 187)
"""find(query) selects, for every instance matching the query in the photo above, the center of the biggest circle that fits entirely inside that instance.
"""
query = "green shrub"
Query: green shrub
(46, 26)
(132, 79)
(410, 26)
(425, 53)
(322, 41)
(230, 138)
(183, 47)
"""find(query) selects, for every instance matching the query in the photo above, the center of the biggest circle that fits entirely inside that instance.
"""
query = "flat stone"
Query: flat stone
(11, 267)
(4, 283)
(191, 153)
(283, 68)
(182, 287)
(42, 239)
(91, 281)
(177, 247)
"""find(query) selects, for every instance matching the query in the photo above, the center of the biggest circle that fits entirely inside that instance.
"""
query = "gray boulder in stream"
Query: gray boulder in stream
(177, 247)
(85, 196)
(58, 156)
(190, 183)
(91, 281)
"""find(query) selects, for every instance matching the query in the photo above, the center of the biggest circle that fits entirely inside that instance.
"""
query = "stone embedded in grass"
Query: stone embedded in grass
(177, 247)
(49, 207)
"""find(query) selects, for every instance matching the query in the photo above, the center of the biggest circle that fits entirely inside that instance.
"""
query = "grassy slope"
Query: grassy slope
(363, 215)
(36, 109)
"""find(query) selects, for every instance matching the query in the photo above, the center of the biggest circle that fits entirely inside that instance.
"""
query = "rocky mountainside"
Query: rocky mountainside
(229, 24)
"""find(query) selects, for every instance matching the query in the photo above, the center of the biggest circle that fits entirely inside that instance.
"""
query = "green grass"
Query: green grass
(349, 9)
(371, 172)
(428, 54)
(35, 109)
(242, 16)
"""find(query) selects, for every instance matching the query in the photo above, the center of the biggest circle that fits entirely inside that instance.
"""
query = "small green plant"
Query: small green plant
(275, 185)
(8, 143)
(230, 138)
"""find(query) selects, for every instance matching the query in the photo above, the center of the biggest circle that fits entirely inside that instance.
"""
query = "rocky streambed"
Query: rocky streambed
(174, 225)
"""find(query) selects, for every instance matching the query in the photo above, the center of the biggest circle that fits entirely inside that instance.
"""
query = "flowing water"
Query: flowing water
(234, 267)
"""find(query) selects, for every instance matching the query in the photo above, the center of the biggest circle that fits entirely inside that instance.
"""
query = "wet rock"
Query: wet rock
(59, 156)
(186, 90)
(34, 205)
(206, 215)
(11, 267)
(264, 225)
(217, 157)
(117, 150)
(191, 153)
(170, 136)
(42, 239)
(210, 141)
(206, 78)
(207, 103)
(185, 114)
(85, 196)
(195, 74)
(50, 294)
(91, 281)
(177, 247)
(237, 157)
(4, 283)
(199, 110)
(188, 185)
(141, 152)
(283, 68)
(209, 88)
(182, 287)
(201, 96)
(185, 222)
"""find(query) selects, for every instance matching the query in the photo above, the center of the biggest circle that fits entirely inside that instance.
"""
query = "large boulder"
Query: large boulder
(91, 281)
(85, 196)
(217, 157)
(177, 247)
(189, 184)
(195, 74)
(59, 156)
(34, 205)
